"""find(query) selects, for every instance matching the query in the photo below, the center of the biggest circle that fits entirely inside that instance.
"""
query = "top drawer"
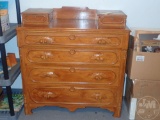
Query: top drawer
(79, 38)
(37, 17)
(111, 19)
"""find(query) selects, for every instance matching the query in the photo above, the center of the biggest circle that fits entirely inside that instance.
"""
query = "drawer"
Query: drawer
(109, 40)
(112, 22)
(71, 56)
(71, 95)
(37, 17)
(111, 19)
(49, 75)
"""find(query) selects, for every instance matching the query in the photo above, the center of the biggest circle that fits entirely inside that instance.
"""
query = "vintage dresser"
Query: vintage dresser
(71, 62)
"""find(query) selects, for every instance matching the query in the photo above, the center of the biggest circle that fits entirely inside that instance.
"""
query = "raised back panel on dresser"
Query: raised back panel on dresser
(71, 62)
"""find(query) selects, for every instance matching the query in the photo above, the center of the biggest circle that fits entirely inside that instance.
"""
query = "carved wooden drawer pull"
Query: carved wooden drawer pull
(46, 55)
(72, 37)
(98, 77)
(42, 57)
(104, 41)
(43, 41)
(72, 52)
(72, 89)
(98, 96)
(98, 57)
(46, 94)
(46, 40)
(47, 75)
(72, 70)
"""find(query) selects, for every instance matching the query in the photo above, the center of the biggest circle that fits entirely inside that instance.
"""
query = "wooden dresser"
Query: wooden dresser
(71, 62)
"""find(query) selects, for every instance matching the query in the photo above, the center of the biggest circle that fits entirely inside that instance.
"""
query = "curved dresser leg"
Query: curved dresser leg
(117, 112)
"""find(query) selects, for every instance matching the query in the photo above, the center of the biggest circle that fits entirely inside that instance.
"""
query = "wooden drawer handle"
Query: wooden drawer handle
(72, 37)
(72, 52)
(46, 40)
(72, 70)
(98, 77)
(46, 94)
(98, 96)
(47, 75)
(46, 55)
(98, 57)
(72, 89)
(43, 57)
(102, 41)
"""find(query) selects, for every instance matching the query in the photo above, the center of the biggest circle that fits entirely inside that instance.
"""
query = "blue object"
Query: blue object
(3, 4)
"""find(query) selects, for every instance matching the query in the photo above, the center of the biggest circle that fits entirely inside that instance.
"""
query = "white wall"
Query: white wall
(141, 13)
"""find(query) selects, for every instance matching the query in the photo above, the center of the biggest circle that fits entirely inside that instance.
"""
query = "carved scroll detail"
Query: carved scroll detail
(46, 40)
(39, 39)
(98, 76)
(98, 57)
(104, 41)
(45, 55)
(99, 97)
(47, 74)
(46, 94)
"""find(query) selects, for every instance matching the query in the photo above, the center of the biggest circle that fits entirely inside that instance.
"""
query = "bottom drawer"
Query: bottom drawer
(71, 95)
